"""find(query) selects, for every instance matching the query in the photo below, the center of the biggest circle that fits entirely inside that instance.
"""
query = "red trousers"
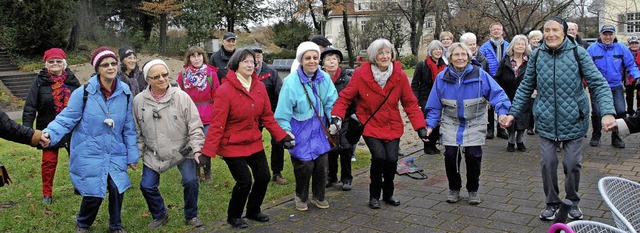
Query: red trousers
(49, 163)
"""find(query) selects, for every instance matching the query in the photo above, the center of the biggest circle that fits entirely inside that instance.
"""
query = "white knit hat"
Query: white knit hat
(147, 66)
(304, 47)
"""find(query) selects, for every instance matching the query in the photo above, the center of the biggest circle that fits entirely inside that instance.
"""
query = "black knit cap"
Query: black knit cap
(561, 22)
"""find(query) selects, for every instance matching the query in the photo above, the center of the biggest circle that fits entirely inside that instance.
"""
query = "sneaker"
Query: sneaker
(595, 141)
(346, 186)
(530, 132)
(279, 179)
(353, 158)
(237, 223)
(260, 217)
(194, 222)
(474, 199)
(320, 204)
(300, 205)
(159, 222)
(81, 229)
(374, 203)
(549, 212)
(454, 196)
(47, 200)
(575, 213)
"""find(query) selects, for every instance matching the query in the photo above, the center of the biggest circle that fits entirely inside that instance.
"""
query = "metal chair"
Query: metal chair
(584, 226)
(623, 198)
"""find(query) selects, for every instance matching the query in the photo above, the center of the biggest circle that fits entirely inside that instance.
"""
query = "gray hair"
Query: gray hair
(433, 45)
(64, 64)
(527, 48)
(375, 46)
(535, 33)
(455, 46)
(468, 37)
(551, 20)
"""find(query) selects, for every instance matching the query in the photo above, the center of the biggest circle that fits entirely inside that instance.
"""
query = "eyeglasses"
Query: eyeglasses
(165, 75)
(309, 58)
(55, 61)
(106, 65)
(249, 62)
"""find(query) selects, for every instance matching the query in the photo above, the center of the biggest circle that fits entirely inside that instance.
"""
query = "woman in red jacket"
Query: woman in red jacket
(241, 104)
(381, 83)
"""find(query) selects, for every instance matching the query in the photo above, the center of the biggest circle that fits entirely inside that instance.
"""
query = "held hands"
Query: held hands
(133, 166)
(289, 141)
(336, 122)
(424, 133)
(45, 140)
(609, 123)
(196, 157)
(505, 120)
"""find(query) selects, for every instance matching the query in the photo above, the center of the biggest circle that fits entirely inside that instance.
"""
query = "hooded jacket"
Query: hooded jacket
(561, 109)
(167, 129)
(613, 61)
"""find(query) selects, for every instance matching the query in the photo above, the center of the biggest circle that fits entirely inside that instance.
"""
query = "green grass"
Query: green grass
(409, 72)
(28, 215)
(35, 63)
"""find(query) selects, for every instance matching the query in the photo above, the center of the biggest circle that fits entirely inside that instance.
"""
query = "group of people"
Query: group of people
(220, 106)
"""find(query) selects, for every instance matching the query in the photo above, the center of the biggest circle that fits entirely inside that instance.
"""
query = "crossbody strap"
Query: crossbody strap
(380, 106)
(306, 93)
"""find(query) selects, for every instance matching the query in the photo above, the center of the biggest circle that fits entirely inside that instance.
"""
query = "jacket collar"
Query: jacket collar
(606, 46)
(451, 77)
(568, 44)
(170, 92)
(232, 79)
(319, 75)
(367, 76)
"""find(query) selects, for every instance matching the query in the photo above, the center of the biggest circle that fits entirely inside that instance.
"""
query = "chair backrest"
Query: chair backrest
(623, 198)
(584, 226)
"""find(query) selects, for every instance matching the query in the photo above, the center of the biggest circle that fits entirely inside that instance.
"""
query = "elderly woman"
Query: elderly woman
(306, 99)
(169, 134)
(48, 96)
(458, 103)
(423, 79)
(241, 105)
(377, 87)
(330, 60)
(470, 40)
(509, 75)
(446, 37)
(129, 72)
(200, 81)
(103, 141)
(534, 38)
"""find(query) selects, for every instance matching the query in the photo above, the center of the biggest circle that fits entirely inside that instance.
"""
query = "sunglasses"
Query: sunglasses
(55, 61)
(165, 75)
(106, 65)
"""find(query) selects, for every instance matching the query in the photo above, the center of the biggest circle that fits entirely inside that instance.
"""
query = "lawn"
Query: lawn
(21, 211)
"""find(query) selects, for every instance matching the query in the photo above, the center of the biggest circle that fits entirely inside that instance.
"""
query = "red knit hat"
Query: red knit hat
(54, 53)
(101, 53)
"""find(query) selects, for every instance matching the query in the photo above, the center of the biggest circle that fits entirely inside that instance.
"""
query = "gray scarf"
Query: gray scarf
(381, 77)
(498, 44)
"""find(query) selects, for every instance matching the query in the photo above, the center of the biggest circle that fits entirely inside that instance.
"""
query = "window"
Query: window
(429, 23)
(363, 25)
(633, 22)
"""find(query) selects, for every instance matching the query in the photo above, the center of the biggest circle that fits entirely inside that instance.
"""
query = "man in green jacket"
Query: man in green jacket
(561, 109)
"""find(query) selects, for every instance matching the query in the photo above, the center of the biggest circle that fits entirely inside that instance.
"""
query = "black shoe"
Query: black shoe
(429, 151)
(237, 223)
(503, 134)
(616, 141)
(346, 186)
(330, 184)
(521, 147)
(511, 147)
(392, 201)
(260, 217)
(435, 149)
(530, 132)
(489, 134)
(374, 203)
(595, 141)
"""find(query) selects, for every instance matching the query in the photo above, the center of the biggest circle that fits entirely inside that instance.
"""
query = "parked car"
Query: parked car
(282, 64)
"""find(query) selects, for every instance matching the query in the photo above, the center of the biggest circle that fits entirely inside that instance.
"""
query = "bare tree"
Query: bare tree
(384, 26)
(520, 17)
(415, 12)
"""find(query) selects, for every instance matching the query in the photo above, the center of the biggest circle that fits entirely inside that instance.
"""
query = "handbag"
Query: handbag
(354, 132)
(332, 141)
(407, 167)
(4, 176)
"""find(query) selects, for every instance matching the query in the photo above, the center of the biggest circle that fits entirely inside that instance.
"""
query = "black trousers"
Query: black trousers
(277, 157)
(239, 168)
(314, 171)
(345, 163)
(384, 161)
(473, 159)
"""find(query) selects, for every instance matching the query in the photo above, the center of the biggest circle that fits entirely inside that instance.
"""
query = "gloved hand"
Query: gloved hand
(422, 133)
(289, 141)
(336, 123)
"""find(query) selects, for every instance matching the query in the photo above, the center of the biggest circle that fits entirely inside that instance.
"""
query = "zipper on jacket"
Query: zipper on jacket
(555, 96)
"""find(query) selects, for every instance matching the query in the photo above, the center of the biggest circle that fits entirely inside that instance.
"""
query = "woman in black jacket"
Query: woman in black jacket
(509, 74)
(48, 96)
(423, 79)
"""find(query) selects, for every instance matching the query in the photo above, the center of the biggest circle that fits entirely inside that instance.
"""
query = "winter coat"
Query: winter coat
(340, 84)
(169, 130)
(220, 60)
(613, 61)
(421, 83)
(296, 115)
(135, 75)
(234, 132)
(272, 83)
(97, 149)
(509, 83)
(482, 60)
(203, 99)
(489, 52)
(561, 109)
(387, 124)
(39, 104)
(459, 104)
(628, 125)
(12, 131)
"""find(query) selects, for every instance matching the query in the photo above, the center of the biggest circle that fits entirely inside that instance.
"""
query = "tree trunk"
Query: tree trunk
(438, 22)
(74, 37)
(347, 37)
(163, 33)
(147, 27)
(316, 24)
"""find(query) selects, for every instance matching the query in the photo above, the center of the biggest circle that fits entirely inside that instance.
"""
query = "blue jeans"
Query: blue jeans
(90, 205)
(618, 103)
(151, 180)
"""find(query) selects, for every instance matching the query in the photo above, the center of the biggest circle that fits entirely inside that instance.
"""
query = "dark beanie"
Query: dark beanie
(125, 51)
(561, 21)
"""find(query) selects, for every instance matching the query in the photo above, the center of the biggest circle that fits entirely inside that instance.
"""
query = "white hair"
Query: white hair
(468, 37)
(64, 64)
(527, 50)
(456, 45)
(375, 46)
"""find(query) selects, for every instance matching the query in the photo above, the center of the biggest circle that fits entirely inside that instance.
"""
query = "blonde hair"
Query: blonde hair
(527, 50)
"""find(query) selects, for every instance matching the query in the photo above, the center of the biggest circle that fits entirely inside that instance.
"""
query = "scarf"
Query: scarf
(498, 44)
(195, 78)
(336, 76)
(514, 64)
(245, 82)
(61, 92)
(381, 77)
(434, 68)
(132, 79)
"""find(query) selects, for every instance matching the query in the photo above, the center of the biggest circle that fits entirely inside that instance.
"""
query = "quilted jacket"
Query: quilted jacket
(561, 109)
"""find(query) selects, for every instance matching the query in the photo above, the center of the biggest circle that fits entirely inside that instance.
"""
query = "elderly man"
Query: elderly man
(561, 109)
(220, 58)
(629, 82)
(494, 50)
(573, 31)
(613, 60)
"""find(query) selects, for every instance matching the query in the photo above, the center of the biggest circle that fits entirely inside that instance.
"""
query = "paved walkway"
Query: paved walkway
(510, 188)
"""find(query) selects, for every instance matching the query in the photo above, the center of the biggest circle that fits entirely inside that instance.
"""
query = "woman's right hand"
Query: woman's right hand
(289, 141)
(45, 140)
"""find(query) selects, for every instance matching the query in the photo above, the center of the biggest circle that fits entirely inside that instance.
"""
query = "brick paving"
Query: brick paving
(510, 188)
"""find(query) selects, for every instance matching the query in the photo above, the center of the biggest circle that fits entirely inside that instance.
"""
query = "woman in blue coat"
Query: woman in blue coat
(103, 140)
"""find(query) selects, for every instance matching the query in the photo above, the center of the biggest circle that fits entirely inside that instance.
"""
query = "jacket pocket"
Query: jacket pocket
(449, 111)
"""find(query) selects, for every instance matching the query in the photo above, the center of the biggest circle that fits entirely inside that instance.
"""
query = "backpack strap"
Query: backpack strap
(575, 54)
